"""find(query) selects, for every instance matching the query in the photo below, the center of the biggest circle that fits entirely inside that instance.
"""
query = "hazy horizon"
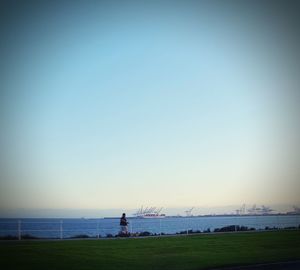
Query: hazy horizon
(115, 212)
(114, 106)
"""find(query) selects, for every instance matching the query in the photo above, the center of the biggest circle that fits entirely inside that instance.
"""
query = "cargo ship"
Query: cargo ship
(149, 212)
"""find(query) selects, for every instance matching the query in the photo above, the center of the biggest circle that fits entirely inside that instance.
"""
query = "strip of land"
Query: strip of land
(190, 252)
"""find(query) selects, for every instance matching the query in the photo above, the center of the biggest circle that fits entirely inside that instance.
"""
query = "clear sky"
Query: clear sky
(118, 105)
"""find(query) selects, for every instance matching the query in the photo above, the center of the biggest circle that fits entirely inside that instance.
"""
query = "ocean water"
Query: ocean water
(66, 228)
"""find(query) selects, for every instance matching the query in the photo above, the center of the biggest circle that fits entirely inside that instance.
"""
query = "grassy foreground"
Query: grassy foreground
(180, 252)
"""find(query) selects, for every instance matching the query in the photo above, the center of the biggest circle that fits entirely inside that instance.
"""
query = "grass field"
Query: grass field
(179, 252)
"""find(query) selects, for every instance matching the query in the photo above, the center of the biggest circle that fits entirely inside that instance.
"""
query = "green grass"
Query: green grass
(180, 252)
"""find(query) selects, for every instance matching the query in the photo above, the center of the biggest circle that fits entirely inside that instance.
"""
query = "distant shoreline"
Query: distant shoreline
(132, 217)
(217, 215)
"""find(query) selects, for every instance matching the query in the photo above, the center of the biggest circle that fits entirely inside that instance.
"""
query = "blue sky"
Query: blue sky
(117, 106)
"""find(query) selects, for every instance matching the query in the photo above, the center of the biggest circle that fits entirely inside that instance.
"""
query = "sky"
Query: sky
(114, 105)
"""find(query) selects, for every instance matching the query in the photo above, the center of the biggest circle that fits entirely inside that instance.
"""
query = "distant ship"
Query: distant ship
(295, 212)
(263, 210)
(149, 212)
(254, 210)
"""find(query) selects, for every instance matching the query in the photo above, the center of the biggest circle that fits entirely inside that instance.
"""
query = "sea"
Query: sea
(108, 227)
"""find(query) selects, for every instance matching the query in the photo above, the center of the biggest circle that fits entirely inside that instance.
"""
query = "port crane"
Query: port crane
(189, 212)
(242, 210)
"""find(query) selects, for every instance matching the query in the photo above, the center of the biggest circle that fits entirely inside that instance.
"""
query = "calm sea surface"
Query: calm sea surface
(55, 228)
